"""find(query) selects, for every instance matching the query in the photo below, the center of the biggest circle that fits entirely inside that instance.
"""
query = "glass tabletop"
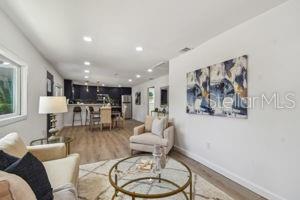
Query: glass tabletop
(57, 139)
(126, 176)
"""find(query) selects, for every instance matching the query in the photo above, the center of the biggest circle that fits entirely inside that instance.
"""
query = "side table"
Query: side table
(58, 139)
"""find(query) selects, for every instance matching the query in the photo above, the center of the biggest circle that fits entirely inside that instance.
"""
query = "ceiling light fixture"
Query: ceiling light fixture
(87, 63)
(6, 63)
(86, 71)
(87, 38)
(139, 48)
(103, 84)
(120, 85)
(130, 80)
(86, 77)
(138, 76)
(150, 70)
(86, 83)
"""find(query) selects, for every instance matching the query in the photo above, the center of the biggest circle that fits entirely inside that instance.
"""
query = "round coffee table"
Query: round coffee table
(174, 179)
(57, 139)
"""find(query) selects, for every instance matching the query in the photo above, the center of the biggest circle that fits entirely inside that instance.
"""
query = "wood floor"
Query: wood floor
(95, 146)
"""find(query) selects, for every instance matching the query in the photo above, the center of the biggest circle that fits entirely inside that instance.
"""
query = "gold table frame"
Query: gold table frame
(180, 189)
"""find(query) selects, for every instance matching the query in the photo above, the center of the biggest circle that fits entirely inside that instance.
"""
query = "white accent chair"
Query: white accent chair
(62, 169)
(143, 140)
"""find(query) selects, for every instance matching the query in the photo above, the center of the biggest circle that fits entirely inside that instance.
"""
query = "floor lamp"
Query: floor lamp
(52, 105)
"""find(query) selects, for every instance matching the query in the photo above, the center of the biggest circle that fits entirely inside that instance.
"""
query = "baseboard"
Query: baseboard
(248, 184)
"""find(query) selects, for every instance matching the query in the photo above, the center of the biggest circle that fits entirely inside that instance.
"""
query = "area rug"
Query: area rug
(94, 185)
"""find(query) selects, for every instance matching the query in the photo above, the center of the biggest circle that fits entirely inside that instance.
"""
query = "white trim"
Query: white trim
(246, 183)
(11, 120)
(23, 90)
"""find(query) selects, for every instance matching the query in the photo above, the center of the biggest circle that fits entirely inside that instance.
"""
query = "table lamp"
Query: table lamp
(52, 105)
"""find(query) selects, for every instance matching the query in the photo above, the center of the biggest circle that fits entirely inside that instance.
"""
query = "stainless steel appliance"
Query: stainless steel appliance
(126, 105)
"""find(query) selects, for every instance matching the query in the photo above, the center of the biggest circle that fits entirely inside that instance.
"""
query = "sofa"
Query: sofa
(144, 140)
(62, 169)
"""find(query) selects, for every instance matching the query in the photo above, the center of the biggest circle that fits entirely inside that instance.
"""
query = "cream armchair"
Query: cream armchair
(143, 140)
(62, 169)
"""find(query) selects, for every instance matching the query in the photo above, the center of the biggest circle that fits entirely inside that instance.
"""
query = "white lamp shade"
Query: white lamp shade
(49, 104)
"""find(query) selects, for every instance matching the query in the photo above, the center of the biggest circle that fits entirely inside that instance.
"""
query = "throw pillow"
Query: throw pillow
(18, 188)
(33, 172)
(148, 123)
(13, 145)
(158, 127)
(6, 160)
(166, 121)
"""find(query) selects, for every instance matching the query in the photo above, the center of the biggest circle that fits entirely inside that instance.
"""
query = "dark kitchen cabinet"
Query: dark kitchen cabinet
(88, 94)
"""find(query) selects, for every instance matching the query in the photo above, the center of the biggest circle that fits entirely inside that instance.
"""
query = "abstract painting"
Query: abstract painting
(138, 98)
(220, 89)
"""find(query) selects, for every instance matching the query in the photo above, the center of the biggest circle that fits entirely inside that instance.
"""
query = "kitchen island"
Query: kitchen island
(68, 116)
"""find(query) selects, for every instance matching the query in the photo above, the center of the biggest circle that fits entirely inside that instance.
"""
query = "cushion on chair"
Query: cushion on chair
(13, 145)
(6, 160)
(148, 123)
(63, 171)
(166, 121)
(148, 139)
(158, 127)
(18, 188)
(33, 172)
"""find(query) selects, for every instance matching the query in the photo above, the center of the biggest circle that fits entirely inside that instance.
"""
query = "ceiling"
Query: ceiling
(117, 27)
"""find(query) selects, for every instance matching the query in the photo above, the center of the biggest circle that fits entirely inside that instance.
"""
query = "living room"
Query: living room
(149, 99)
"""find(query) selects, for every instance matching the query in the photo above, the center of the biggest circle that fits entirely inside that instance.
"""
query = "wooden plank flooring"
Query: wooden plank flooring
(99, 145)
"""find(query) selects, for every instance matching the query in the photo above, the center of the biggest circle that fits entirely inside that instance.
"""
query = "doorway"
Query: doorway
(151, 100)
(50, 81)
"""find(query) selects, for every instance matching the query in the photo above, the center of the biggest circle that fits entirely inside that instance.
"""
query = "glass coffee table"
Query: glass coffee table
(172, 181)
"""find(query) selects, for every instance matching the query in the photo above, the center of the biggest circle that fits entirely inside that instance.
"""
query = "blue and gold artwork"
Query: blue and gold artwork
(219, 90)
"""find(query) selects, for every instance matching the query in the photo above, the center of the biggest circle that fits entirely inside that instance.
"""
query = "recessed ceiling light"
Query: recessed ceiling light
(150, 70)
(87, 63)
(103, 84)
(138, 76)
(87, 38)
(120, 85)
(6, 63)
(86, 83)
(86, 71)
(86, 76)
(139, 48)
(130, 80)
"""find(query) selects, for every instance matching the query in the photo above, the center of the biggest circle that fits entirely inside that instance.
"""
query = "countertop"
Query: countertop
(92, 104)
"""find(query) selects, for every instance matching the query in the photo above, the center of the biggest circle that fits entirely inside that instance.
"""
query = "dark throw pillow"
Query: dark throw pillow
(33, 172)
(6, 160)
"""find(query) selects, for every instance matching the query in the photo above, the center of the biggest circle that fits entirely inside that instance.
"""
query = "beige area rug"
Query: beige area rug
(94, 185)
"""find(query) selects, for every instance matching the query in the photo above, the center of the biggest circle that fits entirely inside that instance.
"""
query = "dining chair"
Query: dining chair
(94, 117)
(87, 115)
(121, 118)
(105, 117)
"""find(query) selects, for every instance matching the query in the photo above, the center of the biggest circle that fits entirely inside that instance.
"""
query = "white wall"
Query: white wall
(12, 40)
(139, 112)
(261, 152)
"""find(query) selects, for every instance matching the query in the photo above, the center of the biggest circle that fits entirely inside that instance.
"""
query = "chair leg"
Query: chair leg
(80, 118)
(73, 119)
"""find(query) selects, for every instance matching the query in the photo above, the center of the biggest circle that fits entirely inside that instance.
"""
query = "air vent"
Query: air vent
(150, 79)
(185, 49)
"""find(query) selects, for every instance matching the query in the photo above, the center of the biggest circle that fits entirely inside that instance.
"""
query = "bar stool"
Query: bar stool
(76, 111)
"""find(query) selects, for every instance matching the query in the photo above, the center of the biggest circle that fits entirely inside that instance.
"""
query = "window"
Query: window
(13, 90)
